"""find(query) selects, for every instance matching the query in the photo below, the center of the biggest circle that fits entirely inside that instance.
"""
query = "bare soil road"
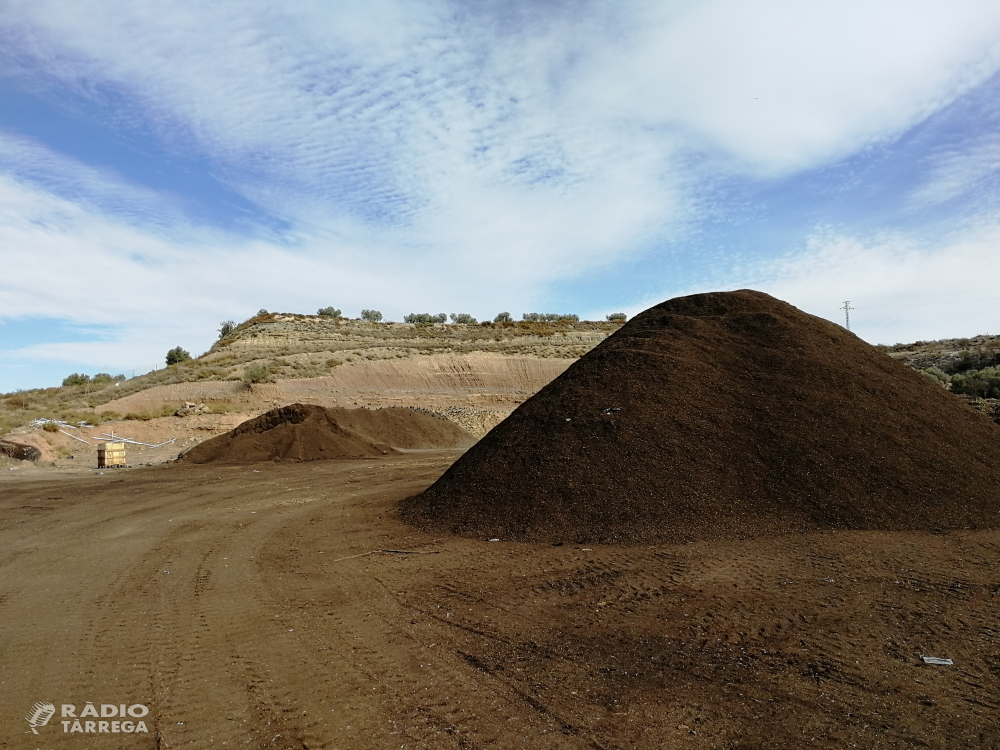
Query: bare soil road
(257, 607)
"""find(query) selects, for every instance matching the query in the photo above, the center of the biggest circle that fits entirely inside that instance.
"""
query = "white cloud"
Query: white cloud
(959, 170)
(100, 190)
(390, 111)
(784, 85)
(451, 156)
(153, 293)
(902, 289)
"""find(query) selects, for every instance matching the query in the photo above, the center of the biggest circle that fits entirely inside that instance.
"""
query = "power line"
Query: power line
(847, 313)
(928, 304)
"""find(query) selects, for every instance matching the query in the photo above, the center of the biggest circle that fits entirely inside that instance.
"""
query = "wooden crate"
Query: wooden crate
(110, 455)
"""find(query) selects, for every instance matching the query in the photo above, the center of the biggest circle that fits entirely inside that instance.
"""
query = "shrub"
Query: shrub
(50, 427)
(617, 318)
(425, 318)
(463, 319)
(504, 317)
(262, 311)
(226, 327)
(77, 378)
(256, 373)
(101, 378)
(18, 401)
(931, 377)
(372, 316)
(176, 355)
(936, 376)
(549, 318)
(983, 383)
(329, 312)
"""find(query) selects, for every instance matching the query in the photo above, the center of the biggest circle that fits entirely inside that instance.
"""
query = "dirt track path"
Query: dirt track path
(243, 608)
(190, 591)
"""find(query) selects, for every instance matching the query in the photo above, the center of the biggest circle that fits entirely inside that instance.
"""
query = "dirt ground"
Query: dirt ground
(259, 607)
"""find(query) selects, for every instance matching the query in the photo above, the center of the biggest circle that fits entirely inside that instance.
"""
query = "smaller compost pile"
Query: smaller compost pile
(19, 451)
(723, 415)
(305, 432)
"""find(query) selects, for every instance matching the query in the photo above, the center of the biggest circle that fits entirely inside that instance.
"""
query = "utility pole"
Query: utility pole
(847, 313)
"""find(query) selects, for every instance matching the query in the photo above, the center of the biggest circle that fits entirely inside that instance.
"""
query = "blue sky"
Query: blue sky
(164, 167)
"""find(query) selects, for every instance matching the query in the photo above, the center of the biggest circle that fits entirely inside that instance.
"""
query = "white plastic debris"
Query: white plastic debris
(937, 660)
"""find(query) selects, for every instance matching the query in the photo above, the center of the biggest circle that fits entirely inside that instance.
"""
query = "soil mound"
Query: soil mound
(19, 451)
(304, 432)
(404, 428)
(724, 415)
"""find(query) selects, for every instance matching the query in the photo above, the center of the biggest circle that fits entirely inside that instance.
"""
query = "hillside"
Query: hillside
(969, 368)
(476, 374)
(472, 374)
(309, 346)
(949, 355)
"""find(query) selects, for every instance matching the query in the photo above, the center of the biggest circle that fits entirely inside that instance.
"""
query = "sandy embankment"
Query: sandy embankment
(477, 391)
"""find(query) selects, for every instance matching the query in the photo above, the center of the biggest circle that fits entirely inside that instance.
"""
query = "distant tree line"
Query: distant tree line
(425, 318)
(984, 383)
(550, 318)
(101, 378)
(975, 373)
(227, 327)
(375, 316)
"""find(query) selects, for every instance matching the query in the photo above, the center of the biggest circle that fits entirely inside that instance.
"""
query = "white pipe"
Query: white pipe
(74, 437)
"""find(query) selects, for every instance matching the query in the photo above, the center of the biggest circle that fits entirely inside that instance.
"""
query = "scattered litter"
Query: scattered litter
(166, 571)
(937, 660)
(828, 580)
(493, 540)
(611, 410)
